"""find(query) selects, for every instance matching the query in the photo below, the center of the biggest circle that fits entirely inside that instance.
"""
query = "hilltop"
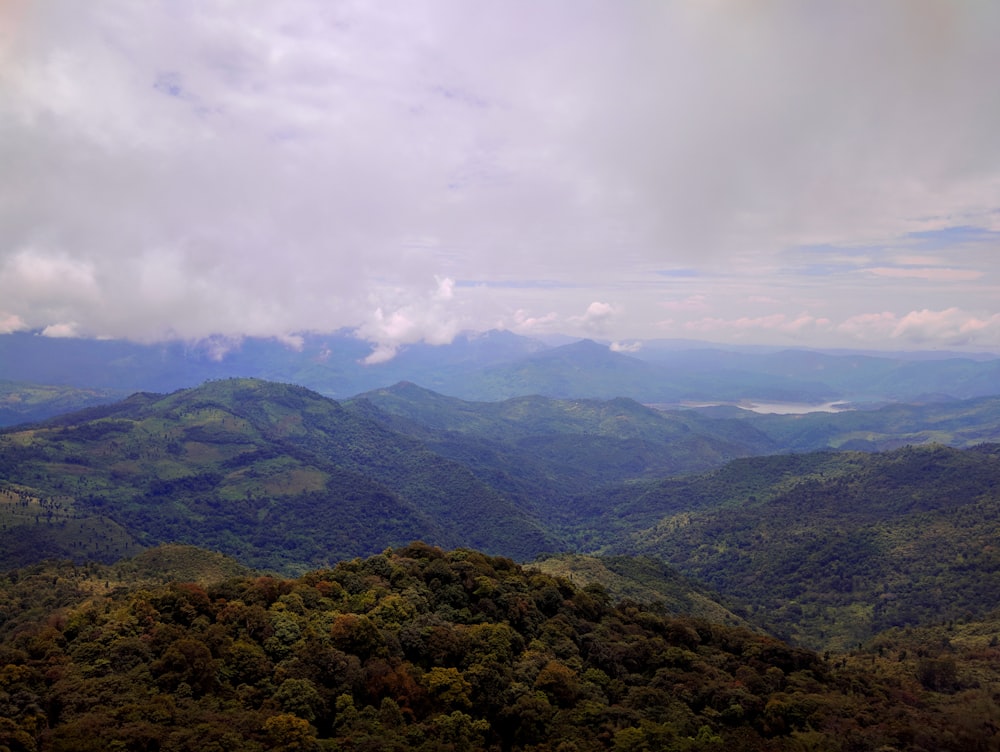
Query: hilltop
(419, 648)
(273, 474)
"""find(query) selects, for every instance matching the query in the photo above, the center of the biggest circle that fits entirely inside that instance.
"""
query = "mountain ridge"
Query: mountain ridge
(487, 366)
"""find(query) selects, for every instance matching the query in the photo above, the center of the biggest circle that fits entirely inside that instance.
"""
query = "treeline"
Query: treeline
(423, 649)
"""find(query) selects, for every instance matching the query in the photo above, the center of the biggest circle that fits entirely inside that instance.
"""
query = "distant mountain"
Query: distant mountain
(496, 365)
(542, 449)
(332, 364)
(854, 377)
(589, 369)
(22, 402)
(580, 369)
(930, 419)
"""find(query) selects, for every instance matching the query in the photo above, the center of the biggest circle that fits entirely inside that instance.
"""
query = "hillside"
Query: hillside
(829, 549)
(421, 649)
(284, 478)
(640, 579)
(275, 475)
(564, 446)
(825, 549)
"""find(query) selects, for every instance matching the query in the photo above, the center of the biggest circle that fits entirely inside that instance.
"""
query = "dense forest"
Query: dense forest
(419, 648)
(825, 549)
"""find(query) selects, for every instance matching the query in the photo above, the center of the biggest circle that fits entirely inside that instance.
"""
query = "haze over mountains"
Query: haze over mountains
(491, 366)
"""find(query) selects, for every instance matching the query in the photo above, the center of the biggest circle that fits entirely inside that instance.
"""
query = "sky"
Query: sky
(822, 174)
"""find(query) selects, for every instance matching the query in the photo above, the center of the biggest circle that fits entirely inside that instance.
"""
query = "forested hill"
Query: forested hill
(830, 548)
(273, 474)
(285, 479)
(823, 548)
(421, 649)
(567, 446)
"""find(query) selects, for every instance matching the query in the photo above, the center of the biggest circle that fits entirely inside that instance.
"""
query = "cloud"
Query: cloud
(869, 326)
(950, 326)
(217, 346)
(626, 347)
(596, 318)
(415, 319)
(10, 323)
(61, 331)
(777, 322)
(525, 323)
(262, 169)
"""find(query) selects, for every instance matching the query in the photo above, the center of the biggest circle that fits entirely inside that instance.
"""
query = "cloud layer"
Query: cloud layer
(773, 171)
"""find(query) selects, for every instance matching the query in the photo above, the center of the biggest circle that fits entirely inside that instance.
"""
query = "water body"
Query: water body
(794, 408)
(780, 408)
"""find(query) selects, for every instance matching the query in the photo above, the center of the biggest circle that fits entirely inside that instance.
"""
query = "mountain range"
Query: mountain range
(825, 548)
(485, 367)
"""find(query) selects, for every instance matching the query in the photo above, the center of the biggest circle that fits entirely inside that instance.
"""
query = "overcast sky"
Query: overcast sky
(800, 173)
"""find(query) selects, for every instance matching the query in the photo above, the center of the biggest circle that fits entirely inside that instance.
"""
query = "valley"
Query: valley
(824, 548)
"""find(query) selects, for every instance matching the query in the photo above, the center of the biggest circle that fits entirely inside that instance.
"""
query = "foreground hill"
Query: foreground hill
(429, 650)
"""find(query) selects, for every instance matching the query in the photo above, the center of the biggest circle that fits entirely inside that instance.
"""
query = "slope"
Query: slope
(276, 475)
(422, 649)
(548, 450)
(831, 548)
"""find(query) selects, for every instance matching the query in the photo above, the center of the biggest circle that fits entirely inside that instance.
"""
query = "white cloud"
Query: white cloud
(526, 324)
(414, 319)
(10, 323)
(869, 326)
(626, 347)
(776, 322)
(67, 329)
(950, 327)
(596, 318)
(259, 168)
